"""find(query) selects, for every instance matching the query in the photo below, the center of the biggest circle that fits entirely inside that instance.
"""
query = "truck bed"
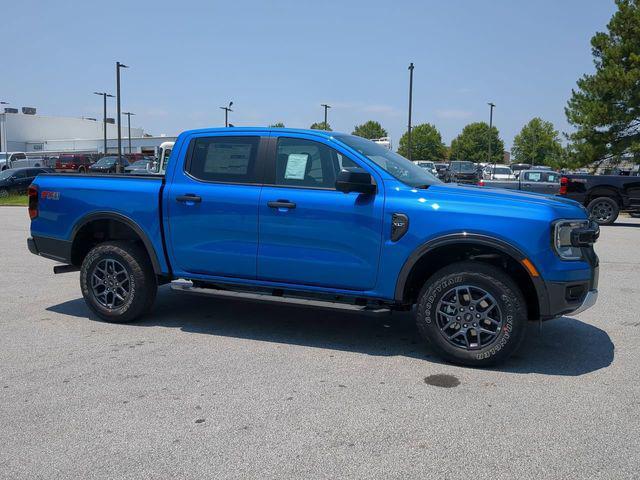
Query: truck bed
(67, 201)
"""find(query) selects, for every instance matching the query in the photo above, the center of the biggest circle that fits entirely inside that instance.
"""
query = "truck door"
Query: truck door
(310, 233)
(536, 181)
(212, 206)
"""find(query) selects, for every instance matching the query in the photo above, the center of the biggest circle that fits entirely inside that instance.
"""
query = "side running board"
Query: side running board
(277, 299)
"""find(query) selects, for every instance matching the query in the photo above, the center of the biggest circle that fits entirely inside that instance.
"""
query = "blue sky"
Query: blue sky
(279, 60)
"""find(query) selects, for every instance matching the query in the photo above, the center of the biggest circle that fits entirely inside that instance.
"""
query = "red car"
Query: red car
(73, 162)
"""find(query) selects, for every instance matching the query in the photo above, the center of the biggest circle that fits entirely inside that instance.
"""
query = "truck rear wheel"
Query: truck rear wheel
(118, 282)
(472, 314)
(604, 210)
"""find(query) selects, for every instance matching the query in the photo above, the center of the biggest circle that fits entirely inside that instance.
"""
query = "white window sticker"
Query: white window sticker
(296, 166)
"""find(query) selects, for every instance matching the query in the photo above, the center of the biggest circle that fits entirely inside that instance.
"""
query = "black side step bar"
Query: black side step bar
(65, 269)
(278, 299)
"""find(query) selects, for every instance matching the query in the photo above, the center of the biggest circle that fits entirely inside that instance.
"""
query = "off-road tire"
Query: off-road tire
(504, 291)
(142, 281)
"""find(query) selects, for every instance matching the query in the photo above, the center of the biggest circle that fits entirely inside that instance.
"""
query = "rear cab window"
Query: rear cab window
(224, 159)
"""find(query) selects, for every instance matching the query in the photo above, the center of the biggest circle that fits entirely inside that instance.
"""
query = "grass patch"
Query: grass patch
(15, 200)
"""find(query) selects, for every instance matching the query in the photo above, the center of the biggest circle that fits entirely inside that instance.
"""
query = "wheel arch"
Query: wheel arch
(99, 227)
(431, 256)
(608, 191)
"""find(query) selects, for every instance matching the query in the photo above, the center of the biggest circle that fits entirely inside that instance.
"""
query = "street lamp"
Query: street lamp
(491, 107)
(5, 117)
(118, 67)
(226, 114)
(326, 107)
(104, 116)
(128, 114)
(410, 102)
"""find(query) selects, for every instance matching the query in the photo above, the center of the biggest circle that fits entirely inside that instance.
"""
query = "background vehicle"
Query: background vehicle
(497, 172)
(108, 165)
(542, 167)
(605, 196)
(462, 172)
(537, 181)
(516, 168)
(18, 160)
(428, 166)
(325, 218)
(142, 166)
(73, 162)
(17, 180)
(441, 168)
(164, 153)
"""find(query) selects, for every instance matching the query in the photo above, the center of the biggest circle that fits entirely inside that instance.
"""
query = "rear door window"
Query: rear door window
(224, 159)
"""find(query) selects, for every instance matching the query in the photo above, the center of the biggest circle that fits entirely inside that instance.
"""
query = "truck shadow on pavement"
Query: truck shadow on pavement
(564, 347)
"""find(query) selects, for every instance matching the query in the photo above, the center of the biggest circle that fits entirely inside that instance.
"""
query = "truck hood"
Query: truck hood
(479, 195)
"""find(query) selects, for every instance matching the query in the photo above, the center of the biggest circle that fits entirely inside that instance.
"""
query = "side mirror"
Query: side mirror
(355, 181)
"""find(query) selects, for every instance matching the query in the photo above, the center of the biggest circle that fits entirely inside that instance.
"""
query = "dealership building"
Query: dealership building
(47, 135)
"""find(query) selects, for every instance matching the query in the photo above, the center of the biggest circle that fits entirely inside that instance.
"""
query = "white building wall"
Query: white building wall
(19, 131)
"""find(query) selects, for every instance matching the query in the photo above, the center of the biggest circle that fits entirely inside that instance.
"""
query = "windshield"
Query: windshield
(502, 171)
(466, 167)
(396, 165)
(6, 174)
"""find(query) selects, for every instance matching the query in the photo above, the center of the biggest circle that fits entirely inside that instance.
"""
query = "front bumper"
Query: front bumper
(572, 297)
(588, 302)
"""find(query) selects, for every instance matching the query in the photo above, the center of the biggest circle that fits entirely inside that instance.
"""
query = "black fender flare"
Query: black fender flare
(470, 238)
(129, 223)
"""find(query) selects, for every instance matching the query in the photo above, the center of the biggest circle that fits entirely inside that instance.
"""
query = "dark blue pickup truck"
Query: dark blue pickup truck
(324, 218)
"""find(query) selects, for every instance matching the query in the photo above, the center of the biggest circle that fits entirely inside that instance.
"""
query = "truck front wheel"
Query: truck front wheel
(118, 282)
(472, 313)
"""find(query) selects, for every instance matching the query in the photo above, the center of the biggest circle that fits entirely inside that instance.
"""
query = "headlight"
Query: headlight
(562, 238)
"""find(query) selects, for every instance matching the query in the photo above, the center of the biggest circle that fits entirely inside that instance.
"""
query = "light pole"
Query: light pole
(119, 161)
(128, 114)
(410, 102)
(5, 117)
(326, 107)
(491, 107)
(226, 114)
(104, 116)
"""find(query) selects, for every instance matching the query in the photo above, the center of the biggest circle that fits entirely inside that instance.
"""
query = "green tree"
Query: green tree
(537, 144)
(277, 125)
(370, 129)
(321, 126)
(473, 144)
(426, 143)
(605, 109)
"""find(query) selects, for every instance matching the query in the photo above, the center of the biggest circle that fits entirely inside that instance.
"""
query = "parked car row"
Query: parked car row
(604, 196)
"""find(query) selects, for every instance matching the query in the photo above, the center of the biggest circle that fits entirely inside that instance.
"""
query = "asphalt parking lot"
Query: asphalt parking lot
(207, 388)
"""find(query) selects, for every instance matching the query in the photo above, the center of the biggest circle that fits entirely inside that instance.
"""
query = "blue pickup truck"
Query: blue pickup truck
(325, 218)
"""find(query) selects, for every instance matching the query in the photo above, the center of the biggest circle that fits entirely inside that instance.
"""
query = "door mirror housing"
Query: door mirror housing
(355, 181)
